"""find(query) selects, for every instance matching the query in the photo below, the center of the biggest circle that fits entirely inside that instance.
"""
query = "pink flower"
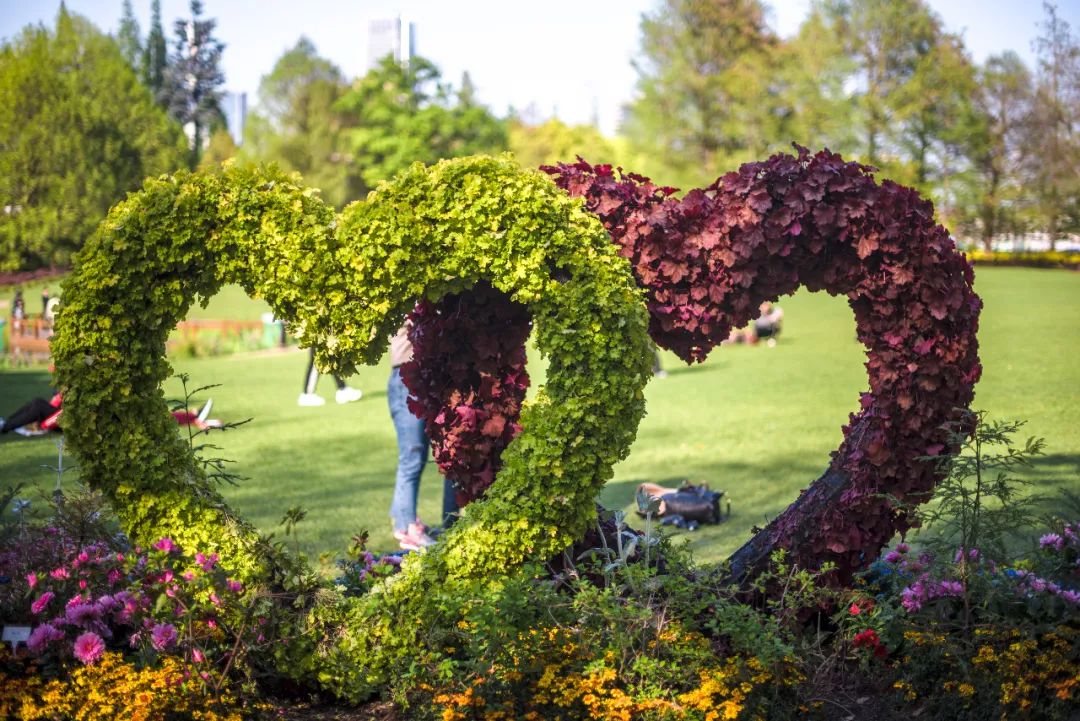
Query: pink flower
(166, 545)
(82, 584)
(89, 647)
(234, 586)
(854, 610)
(197, 655)
(163, 636)
(188, 576)
(166, 576)
(903, 547)
(207, 562)
(42, 636)
(31, 579)
(214, 599)
(42, 601)
(211, 623)
(83, 557)
(59, 573)
(114, 577)
(893, 557)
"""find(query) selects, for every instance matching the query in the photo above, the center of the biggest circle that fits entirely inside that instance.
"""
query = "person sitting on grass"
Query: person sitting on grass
(39, 416)
(767, 325)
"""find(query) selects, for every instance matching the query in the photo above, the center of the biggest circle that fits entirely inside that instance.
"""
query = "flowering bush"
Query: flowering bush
(114, 688)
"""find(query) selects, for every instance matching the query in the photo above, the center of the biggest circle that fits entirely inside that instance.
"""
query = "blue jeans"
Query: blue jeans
(412, 444)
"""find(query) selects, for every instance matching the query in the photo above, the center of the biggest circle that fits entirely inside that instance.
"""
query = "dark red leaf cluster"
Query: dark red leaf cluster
(468, 379)
(707, 262)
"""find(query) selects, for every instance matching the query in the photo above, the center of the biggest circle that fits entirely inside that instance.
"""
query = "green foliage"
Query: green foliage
(299, 127)
(980, 503)
(155, 55)
(127, 37)
(554, 141)
(402, 114)
(346, 283)
(78, 131)
(706, 99)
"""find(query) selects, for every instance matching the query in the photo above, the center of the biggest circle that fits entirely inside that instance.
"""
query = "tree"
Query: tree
(299, 126)
(193, 78)
(707, 92)
(814, 72)
(887, 41)
(78, 131)
(127, 37)
(403, 114)
(155, 55)
(1003, 106)
(554, 141)
(1054, 140)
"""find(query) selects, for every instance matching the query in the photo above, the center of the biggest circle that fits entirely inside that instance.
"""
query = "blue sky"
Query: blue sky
(567, 57)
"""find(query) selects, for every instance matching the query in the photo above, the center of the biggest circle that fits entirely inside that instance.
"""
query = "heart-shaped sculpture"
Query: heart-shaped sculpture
(346, 282)
(707, 261)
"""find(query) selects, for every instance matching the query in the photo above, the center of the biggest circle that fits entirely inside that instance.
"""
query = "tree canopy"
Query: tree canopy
(79, 131)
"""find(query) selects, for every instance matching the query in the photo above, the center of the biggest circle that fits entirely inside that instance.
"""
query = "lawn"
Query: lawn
(756, 422)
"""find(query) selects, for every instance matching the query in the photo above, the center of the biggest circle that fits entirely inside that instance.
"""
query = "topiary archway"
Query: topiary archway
(706, 262)
(346, 282)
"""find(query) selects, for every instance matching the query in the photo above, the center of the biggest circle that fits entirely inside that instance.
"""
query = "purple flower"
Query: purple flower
(83, 615)
(42, 636)
(893, 557)
(163, 636)
(1052, 540)
(89, 647)
(166, 545)
(42, 601)
(234, 586)
(1072, 597)
(206, 562)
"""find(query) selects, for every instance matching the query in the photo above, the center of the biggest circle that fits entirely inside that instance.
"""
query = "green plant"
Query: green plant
(980, 502)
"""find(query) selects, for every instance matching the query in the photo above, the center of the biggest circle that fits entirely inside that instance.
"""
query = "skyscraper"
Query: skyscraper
(234, 108)
(395, 37)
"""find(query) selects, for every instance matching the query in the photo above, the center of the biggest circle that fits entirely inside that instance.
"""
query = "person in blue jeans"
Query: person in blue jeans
(412, 441)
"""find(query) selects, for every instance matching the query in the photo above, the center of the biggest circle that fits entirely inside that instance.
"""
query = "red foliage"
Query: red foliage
(468, 379)
(707, 262)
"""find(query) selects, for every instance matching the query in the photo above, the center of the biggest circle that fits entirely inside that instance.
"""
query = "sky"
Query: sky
(569, 58)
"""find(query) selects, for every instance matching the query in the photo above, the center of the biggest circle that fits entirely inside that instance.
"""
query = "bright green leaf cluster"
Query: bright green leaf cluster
(346, 282)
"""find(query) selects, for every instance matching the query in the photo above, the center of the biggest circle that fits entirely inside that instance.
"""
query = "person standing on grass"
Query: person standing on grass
(412, 441)
(308, 396)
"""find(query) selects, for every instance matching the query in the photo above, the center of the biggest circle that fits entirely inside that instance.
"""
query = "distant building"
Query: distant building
(395, 37)
(234, 108)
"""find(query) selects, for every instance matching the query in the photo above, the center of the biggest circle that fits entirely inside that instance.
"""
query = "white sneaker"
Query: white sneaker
(205, 412)
(310, 399)
(348, 395)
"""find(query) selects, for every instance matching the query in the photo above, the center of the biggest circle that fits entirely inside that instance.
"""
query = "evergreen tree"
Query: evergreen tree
(127, 37)
(78, 131)
(155, 55)
(193, 78)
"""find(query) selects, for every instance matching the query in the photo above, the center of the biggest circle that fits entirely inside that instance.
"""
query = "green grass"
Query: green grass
(756, 422)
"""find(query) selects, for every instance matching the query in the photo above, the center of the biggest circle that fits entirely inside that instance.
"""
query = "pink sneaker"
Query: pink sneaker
(414, 537)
